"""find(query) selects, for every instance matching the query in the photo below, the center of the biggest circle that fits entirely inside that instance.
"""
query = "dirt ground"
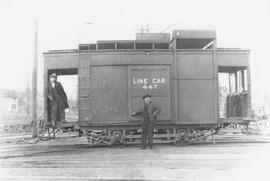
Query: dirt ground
(68, 157)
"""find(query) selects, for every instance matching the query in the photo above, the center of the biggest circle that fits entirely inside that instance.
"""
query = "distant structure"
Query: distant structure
(9, 101)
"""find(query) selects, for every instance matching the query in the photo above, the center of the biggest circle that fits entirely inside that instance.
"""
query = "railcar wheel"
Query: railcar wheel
(181, 134)
(117, 138)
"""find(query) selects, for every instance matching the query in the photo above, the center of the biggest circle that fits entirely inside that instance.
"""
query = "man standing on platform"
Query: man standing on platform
(149, 114)
(58, 100)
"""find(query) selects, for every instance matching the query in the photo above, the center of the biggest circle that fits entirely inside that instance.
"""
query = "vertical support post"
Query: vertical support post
(175, 112)
(79, 86)
(34, 85)
(230, 84)
(236, 82)
(243, 79)
(45, 94)
(249, 89)
(215, 77)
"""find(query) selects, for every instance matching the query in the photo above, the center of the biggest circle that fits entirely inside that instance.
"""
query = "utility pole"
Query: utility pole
(34, 85)
(28, 99)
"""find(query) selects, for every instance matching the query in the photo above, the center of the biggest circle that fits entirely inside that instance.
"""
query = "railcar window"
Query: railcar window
(87, 47)
(106, 46)
(93, 46)
(83, 47)
(194, 43)
(125, 46)
(161, 45)
(144, 45)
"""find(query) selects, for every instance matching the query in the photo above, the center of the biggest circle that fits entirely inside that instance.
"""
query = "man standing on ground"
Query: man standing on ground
(58, 100)
(149, 114)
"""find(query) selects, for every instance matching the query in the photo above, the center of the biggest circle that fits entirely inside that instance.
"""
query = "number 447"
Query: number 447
(150, 86)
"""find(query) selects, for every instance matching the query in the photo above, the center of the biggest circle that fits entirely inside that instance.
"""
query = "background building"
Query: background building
(9, 101)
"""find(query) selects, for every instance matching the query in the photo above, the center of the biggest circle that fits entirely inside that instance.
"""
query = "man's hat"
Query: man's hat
(53, 75)
(146, 95)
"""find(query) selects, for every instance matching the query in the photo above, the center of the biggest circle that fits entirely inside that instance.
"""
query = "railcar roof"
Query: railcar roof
(180, 40)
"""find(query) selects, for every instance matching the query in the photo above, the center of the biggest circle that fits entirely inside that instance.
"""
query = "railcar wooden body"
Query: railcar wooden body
(180, 71)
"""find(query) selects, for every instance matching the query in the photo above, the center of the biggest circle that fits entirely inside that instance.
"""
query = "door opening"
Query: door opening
(69, 81)
(233, 90)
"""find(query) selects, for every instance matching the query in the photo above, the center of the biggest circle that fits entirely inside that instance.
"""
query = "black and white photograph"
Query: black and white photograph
(134, 90)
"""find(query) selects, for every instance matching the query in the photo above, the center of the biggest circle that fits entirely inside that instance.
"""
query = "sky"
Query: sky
(62, 25)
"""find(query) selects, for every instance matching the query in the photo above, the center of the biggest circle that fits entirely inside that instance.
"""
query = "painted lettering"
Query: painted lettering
(134, 81)
(158, 80)
(146, 84)
(140, 81)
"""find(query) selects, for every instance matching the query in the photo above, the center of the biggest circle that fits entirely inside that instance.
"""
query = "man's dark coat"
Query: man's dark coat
(60, 96)
(147, 113)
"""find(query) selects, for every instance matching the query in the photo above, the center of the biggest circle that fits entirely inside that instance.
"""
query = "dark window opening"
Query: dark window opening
(194, 43)
(125, 45)
(161, 45)
(84, 47)
(93, 46)
(144, 45)
(87, 47)
(102, 46)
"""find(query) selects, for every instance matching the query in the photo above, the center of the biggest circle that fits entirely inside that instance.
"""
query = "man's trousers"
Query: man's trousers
(57, 112)
(147, 135)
